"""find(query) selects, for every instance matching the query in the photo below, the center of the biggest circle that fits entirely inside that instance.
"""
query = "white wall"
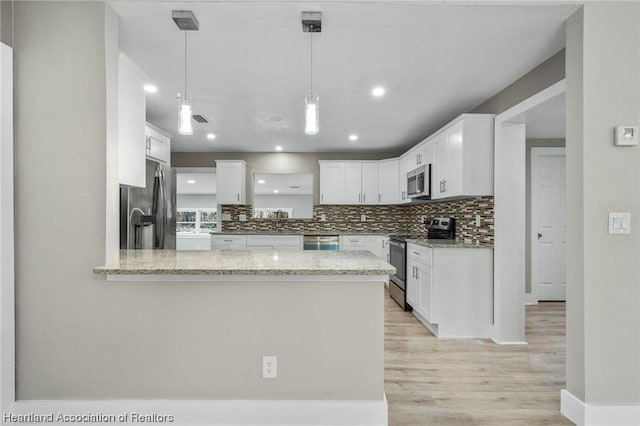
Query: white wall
(200, 201)
(603, 271)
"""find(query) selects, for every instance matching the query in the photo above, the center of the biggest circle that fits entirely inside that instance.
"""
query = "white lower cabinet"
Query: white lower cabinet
(193, 242)
(274, 242)
(451, 289)
(376, 244)
(228, 242)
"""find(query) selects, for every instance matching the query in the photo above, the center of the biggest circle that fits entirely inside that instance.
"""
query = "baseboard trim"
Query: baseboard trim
(597, 415)
(221, 412)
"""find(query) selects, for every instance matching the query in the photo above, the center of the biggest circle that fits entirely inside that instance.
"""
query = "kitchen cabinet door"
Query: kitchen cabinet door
(231, 182)
(425, 278)
(332, 183)
(353, 183)
(158, 145)
(439, 169)
(404, 167)
(352, 242)
(389, 181)
(370, 178)
(412, 286)
(374, 244)
(452, 183)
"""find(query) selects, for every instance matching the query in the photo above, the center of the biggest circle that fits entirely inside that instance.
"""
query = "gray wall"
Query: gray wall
(533, 143)
(79, 337)
(6, 22)
(206, 201)
(260, 162)
(603, 321)
(544, 75)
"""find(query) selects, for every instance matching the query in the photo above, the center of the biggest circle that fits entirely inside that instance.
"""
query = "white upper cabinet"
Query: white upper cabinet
(332, 183)
(352, 183)
(463, 158)
(131, 124)
(158, 145)
(231, 182)
(389, 181)
(370, 183)
(349, 182)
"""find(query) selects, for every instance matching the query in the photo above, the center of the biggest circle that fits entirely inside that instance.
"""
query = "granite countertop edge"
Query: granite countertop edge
(455, 244)
(246, 272)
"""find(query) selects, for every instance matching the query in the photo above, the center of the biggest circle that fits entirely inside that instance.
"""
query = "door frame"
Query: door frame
(509, 216)
(536, 152)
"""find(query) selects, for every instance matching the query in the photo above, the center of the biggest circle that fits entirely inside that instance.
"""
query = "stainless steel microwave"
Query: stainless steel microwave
(419, 182)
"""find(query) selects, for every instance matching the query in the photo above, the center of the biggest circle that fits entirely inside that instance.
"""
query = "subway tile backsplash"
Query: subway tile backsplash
(380, 219)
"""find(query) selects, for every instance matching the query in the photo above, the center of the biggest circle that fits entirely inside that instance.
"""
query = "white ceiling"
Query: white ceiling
(249, 68)
(283, 182)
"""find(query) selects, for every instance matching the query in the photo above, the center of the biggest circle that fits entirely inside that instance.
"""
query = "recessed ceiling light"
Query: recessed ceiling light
(378, 91)
(353, 137)
(150, 88)
(191, 181)
(278, 148)
(275, 191)
(211, 136)
(261, 181)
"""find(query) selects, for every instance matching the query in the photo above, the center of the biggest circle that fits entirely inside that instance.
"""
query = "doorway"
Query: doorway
(548, 224)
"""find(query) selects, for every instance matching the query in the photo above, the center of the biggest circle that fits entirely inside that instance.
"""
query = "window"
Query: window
(196, 221)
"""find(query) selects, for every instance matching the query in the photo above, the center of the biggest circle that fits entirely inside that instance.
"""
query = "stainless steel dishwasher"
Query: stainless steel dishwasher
(321, 242)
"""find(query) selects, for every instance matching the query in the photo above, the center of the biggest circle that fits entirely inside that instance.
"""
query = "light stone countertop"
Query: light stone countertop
(302, 233)
(448, 244)
(246, 262)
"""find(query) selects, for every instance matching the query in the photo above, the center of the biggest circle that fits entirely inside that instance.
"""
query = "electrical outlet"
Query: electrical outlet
(478, 222)
(363, 218)
(242, 218)
(323, 217)
(269, 367)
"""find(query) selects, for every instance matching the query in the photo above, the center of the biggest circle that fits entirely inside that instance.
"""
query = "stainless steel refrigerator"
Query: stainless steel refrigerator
(148, 215)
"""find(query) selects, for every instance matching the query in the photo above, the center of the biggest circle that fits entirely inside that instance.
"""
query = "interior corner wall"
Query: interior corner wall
(544, 75)
(533, 143)
(603, 91)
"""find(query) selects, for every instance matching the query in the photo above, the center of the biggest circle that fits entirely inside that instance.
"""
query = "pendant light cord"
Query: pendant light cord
(311, 57)
(185, 65)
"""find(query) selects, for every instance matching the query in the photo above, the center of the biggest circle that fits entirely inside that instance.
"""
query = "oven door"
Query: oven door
(397, 258)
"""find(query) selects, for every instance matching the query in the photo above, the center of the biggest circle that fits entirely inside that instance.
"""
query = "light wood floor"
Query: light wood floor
(431, 381)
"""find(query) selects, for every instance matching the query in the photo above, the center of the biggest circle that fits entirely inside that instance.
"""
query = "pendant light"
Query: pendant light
(186, 21)
(311, 23)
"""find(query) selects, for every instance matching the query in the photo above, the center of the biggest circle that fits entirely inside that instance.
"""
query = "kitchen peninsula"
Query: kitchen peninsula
(218, 313)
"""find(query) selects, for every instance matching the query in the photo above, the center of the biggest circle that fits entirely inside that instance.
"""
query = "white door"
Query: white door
(370, 190)
(388, 183)
(548, 220)
(452, 183)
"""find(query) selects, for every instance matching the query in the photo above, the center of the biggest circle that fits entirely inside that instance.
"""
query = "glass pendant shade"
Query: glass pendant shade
(311, 114)
(184, 117)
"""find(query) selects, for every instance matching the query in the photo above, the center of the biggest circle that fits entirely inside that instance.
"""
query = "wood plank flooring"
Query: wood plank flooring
(431, 381)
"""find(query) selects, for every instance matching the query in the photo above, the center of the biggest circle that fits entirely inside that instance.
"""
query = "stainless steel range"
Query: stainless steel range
(438, 228)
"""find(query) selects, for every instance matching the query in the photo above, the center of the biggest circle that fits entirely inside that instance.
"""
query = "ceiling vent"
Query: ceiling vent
(185, 20)
(201, 118)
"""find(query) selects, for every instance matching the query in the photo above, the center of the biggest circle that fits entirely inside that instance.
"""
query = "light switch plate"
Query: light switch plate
(242, 217)
(625, 136)
(619, 223)
(226, 217)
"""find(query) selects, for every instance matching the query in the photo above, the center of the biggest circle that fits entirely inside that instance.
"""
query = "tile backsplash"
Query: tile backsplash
(406, 218)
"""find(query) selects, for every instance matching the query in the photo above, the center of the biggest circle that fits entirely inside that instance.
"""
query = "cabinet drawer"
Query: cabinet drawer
(261, 242)
(229, 242)
(420, 254)
(353, 242)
